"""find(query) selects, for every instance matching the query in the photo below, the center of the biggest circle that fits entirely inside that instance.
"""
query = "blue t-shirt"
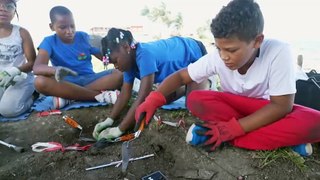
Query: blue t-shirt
(163, 57)
(76, 56)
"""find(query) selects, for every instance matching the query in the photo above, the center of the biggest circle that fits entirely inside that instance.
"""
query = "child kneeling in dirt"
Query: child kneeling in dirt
(72, 76)
(150, 62)
(255, 109)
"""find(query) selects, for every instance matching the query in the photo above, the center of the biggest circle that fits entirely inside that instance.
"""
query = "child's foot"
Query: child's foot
(59, 103)
(108, 96)
(193, 138)
(303, 149)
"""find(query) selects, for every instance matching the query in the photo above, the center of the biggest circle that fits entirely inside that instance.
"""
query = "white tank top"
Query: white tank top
(11, 51)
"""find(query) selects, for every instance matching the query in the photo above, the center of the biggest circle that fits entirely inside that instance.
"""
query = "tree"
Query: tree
(203, 32)
(164, 16)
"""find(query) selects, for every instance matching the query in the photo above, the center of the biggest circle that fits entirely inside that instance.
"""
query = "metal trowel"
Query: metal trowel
(125, 153)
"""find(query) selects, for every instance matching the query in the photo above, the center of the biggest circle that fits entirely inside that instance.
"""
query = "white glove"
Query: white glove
(110, 133)
(101, 126)
(61, 72)
(108, 96)
(7, 76)
(20, 77)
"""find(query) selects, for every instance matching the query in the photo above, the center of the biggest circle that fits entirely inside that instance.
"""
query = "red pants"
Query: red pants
(300, 126)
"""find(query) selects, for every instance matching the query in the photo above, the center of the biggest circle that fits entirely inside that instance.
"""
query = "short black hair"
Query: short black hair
(58, 10)
(240, 19)
(114, 39)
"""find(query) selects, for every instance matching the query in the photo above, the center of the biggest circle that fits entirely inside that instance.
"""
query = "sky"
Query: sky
(294, 21)
(285, 19)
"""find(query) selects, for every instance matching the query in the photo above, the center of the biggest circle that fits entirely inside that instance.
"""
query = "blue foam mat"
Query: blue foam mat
(23, 116)
(178, 104)
(45, 103)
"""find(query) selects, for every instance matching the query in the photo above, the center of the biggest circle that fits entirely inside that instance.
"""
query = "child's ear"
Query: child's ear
(258, 41)
(51, 26)
(126, 46)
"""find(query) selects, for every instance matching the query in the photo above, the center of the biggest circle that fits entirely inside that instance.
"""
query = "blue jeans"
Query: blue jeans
(17, 99)
(83, 80)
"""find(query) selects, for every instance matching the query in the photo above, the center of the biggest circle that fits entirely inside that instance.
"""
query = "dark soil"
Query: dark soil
(173, 156)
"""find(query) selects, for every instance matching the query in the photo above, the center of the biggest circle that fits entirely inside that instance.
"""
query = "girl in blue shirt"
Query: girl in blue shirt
(150, 62)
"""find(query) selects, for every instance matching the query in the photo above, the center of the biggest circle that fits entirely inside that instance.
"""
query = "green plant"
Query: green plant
(269, 157)
(178, 114)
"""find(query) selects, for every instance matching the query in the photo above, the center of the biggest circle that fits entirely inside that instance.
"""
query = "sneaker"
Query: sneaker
(59, 103)
(193, 138)
(108, 96)
(303, 149)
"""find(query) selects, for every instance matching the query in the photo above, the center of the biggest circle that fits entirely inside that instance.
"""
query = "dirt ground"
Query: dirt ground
(172, 156)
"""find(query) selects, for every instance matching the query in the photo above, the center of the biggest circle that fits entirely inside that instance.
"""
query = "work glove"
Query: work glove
(7, 76)
(108, 96)
(101, 126)
(219, 132)
(61, 72)
(150, 105)
(110, 133)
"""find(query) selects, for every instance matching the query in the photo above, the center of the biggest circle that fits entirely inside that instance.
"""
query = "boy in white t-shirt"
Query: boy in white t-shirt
(255, 109)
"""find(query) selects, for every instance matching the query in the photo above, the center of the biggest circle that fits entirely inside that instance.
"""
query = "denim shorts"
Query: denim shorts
(83, 80)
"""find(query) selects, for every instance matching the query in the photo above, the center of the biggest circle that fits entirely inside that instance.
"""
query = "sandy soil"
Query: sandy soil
(173, 157)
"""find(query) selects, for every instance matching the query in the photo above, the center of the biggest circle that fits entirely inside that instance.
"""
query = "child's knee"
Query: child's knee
(193, 100)
(40, 83)
(9, 111)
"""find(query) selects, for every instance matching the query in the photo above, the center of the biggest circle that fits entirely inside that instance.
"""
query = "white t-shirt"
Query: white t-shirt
(271, 74)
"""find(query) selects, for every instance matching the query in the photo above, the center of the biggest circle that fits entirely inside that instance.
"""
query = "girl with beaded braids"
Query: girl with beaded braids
(255, 109)
(150, 62)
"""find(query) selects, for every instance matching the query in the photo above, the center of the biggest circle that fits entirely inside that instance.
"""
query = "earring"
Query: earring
(128, 52)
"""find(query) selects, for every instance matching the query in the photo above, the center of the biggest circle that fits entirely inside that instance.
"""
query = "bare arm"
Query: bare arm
(28, 49)
(145, 89)
(99, 56)
(41, 64)
(122, 100)
(278, 107)
(174, 82)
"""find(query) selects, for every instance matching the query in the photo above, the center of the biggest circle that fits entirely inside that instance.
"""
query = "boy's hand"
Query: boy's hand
(149, 106)
(101, 126)
(6, 76)
(61, 72)
(221, 131)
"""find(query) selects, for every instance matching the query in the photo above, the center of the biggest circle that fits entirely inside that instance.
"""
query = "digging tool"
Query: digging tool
(125, 153)
(14, 147)
(128, 137)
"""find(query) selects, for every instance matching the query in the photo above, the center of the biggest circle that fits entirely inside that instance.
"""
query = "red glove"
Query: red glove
(149, 106)
(221, 131)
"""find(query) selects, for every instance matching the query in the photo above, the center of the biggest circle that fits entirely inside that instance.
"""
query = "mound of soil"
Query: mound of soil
(172, 155)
